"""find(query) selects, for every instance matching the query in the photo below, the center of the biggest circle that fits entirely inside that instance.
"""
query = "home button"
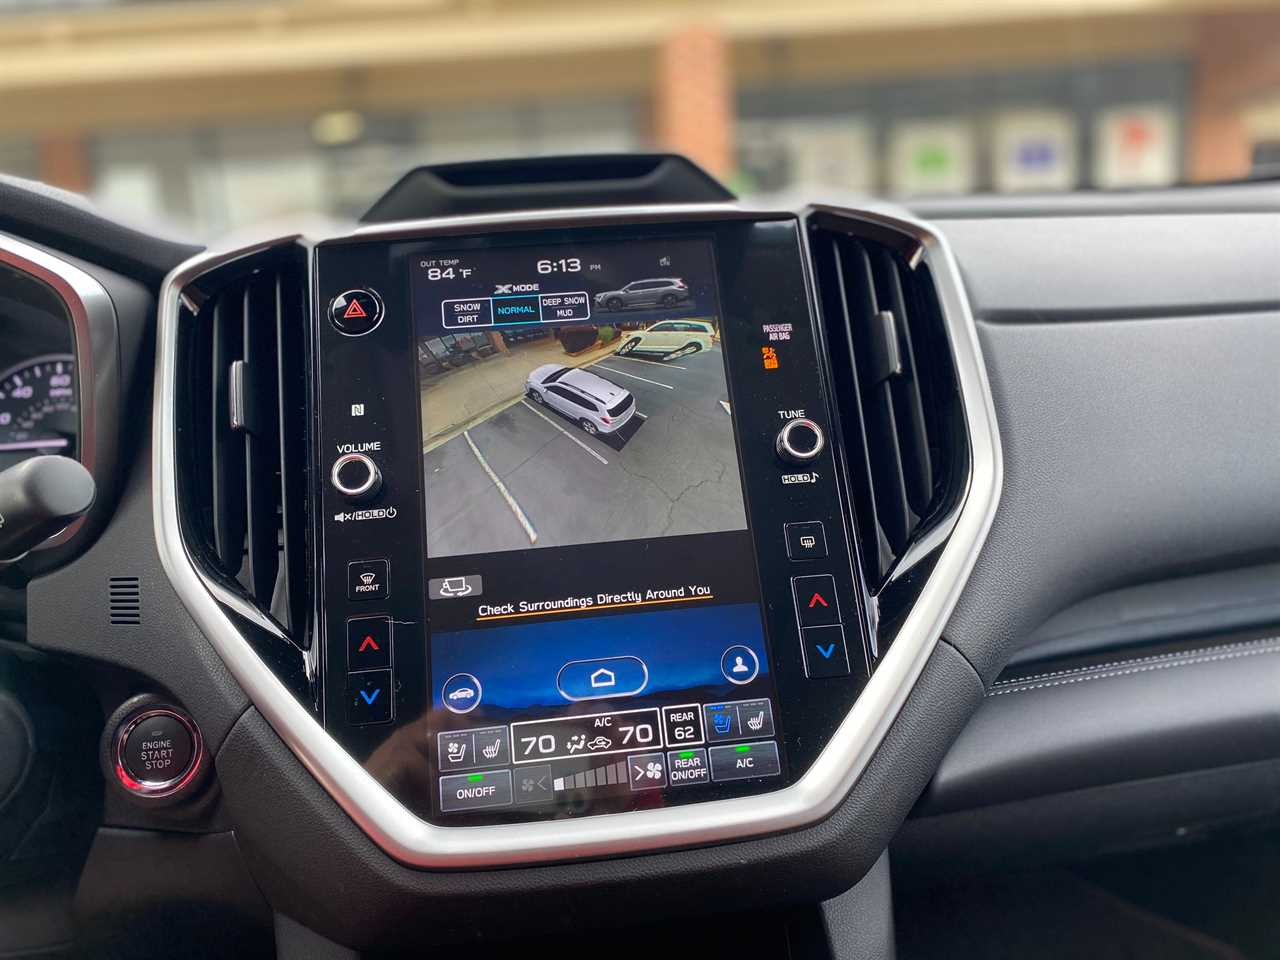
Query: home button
(602, 679)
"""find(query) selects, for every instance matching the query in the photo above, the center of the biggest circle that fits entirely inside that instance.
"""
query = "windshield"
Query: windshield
(213, 115)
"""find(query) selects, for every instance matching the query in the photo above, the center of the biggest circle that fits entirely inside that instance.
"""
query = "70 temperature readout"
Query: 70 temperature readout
(591, 736)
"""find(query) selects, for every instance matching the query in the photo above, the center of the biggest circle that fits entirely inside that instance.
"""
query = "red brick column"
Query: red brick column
(64, 162)
(1237, 58)
(693, 98)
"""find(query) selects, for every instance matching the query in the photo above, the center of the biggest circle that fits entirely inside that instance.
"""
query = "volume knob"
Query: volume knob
(356, 476)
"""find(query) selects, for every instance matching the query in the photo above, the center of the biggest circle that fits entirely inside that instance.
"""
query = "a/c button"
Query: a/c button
(742, 761)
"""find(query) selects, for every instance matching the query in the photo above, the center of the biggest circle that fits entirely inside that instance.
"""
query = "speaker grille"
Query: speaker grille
(124, 601)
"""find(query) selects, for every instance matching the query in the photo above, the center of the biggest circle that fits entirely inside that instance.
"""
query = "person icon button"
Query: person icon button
(739, 664)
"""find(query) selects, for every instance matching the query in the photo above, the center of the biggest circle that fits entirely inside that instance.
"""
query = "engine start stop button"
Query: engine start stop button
(157, 750)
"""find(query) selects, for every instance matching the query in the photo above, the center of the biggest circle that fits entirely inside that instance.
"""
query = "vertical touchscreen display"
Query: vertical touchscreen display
(595, 634)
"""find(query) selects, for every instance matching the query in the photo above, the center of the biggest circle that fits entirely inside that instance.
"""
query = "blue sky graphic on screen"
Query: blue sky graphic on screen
(518, 665)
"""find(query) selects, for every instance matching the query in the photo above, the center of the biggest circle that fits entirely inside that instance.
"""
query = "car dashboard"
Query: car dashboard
(527, 563)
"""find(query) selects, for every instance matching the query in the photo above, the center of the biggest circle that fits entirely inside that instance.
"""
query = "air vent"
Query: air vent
(124, 601)
(242, 447)
(894, 383)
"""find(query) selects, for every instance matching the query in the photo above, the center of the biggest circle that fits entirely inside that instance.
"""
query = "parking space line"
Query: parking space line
(533, 409)
(656, 363)
(623, 373)
(502, 489)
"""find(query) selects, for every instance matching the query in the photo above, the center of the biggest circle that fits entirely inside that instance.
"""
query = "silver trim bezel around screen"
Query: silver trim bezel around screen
(413, 841)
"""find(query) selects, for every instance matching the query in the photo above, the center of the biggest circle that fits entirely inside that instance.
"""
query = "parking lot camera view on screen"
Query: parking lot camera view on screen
(573, 395)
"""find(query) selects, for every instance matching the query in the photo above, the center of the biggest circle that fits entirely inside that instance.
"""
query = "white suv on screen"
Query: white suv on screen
(595, 404)
(654, 292)
(670, 339)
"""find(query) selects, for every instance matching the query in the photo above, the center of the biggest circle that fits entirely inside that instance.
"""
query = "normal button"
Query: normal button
(475, 791)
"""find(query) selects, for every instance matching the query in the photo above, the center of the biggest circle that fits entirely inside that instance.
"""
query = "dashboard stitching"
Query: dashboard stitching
(1149, 668)
(1111, 664)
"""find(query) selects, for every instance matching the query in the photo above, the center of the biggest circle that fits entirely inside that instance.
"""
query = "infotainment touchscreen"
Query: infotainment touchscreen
(596, 641)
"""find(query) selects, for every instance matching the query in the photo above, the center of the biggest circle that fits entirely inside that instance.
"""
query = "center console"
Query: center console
(575, 533)
(585, 548)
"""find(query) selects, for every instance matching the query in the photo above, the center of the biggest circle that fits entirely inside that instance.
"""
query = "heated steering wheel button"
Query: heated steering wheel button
(158, 750)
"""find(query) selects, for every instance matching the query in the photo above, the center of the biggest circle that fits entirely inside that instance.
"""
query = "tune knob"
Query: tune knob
(800, 440)
(356, 476)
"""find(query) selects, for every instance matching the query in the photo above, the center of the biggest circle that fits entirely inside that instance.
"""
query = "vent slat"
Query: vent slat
(246, 435)
(261, 443)
(917, 471)
(892, 513)
(291, 409)
(226, 451)
(882, 329)
(842, 301)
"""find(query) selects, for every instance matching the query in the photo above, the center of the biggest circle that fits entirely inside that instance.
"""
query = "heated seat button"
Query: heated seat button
(356, 312)
(368, 643)
(367, 580)
(157, 750)
(825, 653)
(816, 603)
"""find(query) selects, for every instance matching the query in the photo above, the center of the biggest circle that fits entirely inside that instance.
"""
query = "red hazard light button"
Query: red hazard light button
(356, 312)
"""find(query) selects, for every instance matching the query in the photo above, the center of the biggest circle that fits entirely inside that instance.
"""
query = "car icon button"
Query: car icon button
(603, 678)
(461, 693)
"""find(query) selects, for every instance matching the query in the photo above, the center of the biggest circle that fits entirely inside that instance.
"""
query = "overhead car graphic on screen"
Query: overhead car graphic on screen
(653, 292)
(595, 404)
(670, 339)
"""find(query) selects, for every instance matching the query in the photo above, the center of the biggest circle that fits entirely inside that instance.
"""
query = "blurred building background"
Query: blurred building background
(213, 114)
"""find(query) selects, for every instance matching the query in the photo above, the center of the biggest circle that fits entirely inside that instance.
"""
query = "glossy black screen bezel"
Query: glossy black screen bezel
(761, 279)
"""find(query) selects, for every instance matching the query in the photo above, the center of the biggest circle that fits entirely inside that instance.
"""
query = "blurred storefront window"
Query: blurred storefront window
(212, 115)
